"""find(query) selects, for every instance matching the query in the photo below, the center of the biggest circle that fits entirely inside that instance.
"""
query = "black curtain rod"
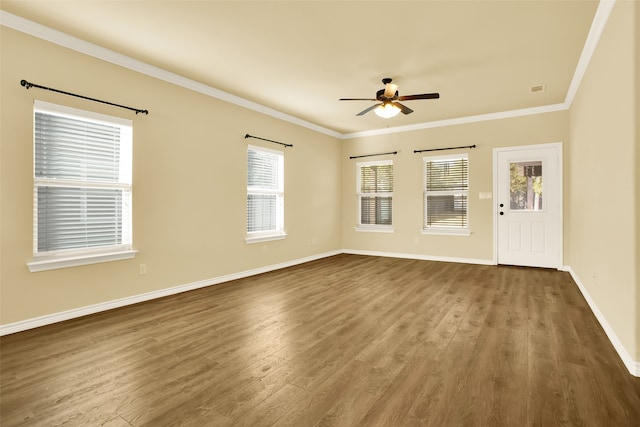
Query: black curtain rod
(268, 140)
(371, 155)
(29, 85)
(447, 148)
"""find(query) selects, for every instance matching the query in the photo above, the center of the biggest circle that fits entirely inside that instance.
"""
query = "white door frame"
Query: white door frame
(558, 147)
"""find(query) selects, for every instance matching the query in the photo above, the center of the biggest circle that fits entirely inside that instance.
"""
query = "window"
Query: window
(265, 194)
(446, 190)
(375, 196)
(525, 186)
(82, 187)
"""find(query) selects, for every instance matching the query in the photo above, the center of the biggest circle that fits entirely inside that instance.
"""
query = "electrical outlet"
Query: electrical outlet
(143, 269)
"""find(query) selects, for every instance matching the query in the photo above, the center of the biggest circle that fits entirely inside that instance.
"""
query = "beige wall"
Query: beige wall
(407, 198)
(189, 178)
(602, 226)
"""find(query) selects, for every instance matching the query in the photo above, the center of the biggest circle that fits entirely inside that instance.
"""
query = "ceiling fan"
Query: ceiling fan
(388, 97)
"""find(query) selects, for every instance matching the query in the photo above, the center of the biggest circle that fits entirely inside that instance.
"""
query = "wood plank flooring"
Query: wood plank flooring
(343, 341)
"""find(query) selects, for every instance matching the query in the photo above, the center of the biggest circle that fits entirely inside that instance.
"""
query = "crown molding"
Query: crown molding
(460, 120)
(597, 26)
(40, 31)
(54, 36)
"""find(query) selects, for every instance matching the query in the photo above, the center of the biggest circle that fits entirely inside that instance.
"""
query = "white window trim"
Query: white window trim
(372, 228)
(78, 258)
(279, 233)
(443, 231)
(52, 260)
(261, 236)
(376, 228)
(446, 231)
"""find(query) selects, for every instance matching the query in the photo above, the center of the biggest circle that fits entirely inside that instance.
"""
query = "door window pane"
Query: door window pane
(525, 189)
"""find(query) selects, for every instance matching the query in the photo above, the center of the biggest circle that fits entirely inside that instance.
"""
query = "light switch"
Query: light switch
(485, 196)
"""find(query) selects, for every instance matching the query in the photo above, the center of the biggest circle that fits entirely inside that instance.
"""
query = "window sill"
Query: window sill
(77, 260)
(447, 232)
(376, 228)
(265, 238)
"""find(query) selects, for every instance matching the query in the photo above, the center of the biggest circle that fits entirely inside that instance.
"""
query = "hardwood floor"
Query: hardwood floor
(343, 341)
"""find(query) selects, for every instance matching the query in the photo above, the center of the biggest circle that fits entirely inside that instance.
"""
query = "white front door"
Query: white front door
(528, 186)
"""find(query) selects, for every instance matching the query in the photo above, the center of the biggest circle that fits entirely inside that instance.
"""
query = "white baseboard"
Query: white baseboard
(49, 319)
(420, 257)
(121, 302)
(632, 365)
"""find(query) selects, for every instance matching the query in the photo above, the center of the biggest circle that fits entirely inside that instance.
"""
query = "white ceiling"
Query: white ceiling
(300, 57)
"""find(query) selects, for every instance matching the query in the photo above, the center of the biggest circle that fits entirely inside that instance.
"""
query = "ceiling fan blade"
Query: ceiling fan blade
(390, 90)
(403, 108)
(363, 112)
(357, 99)
(421, 96)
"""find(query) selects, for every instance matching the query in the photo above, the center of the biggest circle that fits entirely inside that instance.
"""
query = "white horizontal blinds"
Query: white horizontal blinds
(82, 176)
(376, 193)
(446, 188)
(73, 218)
(264, 190)
(261, 212)
(72, 149)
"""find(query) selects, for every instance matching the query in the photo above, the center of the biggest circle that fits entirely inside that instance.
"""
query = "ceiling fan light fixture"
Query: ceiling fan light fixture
(386, 111)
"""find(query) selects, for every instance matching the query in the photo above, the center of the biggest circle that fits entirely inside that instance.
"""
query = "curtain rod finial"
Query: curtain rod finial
(247, 136)
(25, 83)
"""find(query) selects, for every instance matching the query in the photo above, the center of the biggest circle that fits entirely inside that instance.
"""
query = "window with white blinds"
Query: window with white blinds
(265, 194)
(82, 181)
(375, 195)
(446, 190)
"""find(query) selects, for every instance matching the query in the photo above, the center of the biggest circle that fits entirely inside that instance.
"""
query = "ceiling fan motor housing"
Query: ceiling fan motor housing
(380, 95)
